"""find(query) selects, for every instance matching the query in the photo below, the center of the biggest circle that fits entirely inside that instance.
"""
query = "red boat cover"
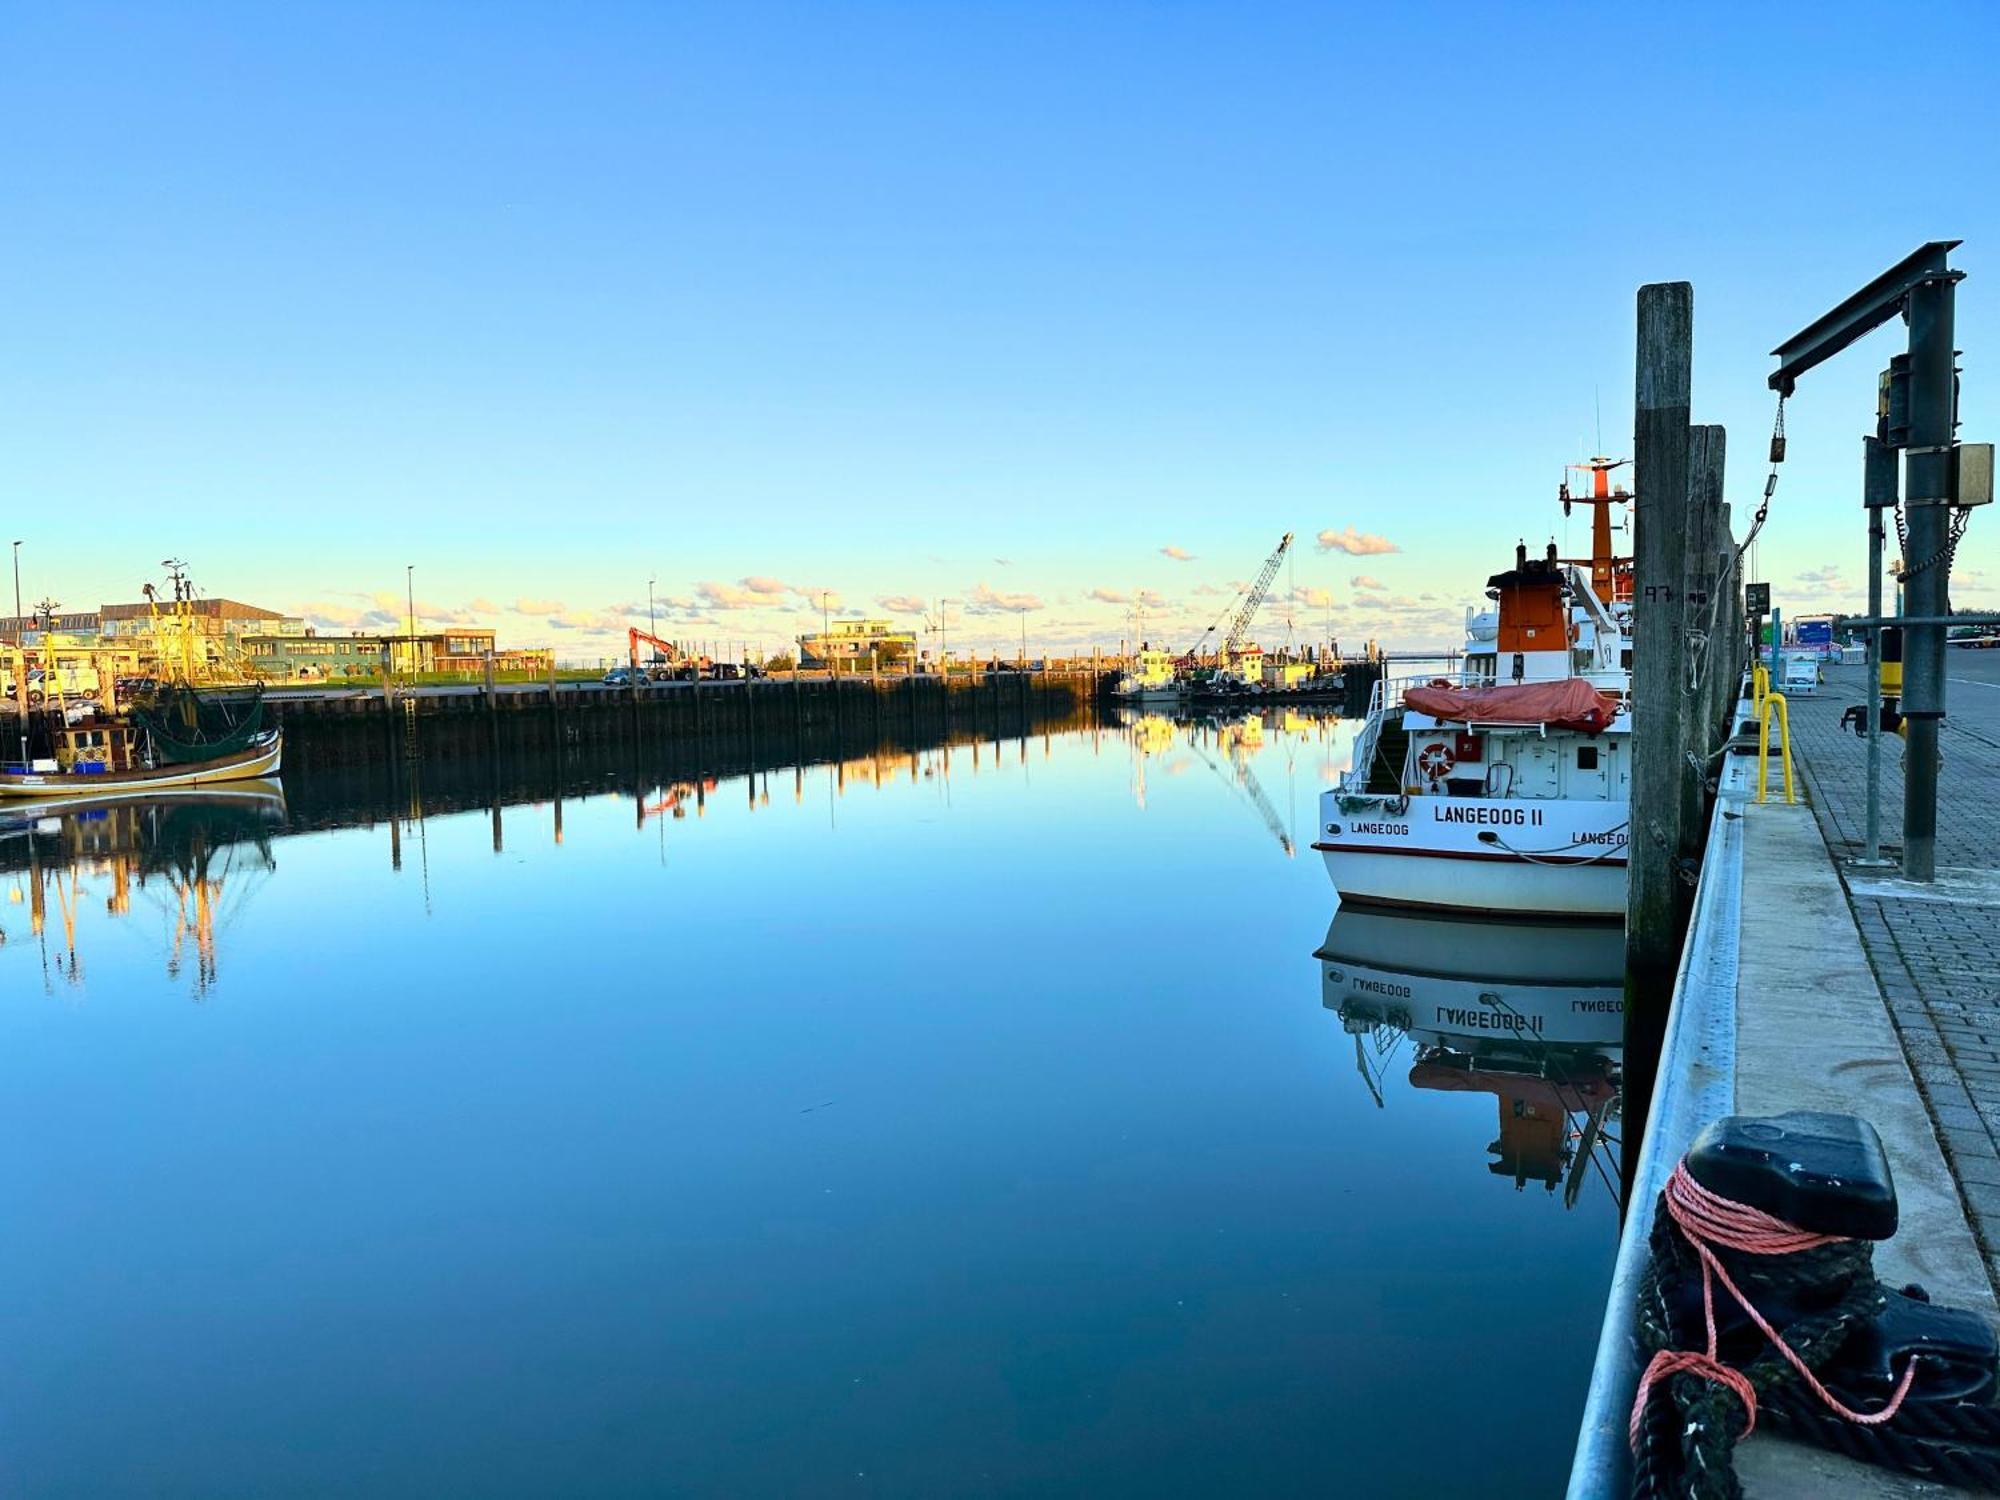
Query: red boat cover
(1569, 704)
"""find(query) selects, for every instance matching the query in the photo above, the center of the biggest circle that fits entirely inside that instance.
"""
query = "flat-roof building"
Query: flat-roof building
(853, 642)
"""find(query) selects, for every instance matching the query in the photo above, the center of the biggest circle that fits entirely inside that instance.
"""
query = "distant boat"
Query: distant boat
(260, 757)
(1151, 679)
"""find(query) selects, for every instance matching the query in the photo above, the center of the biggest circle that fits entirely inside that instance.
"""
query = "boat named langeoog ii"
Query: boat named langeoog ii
(1507, 789)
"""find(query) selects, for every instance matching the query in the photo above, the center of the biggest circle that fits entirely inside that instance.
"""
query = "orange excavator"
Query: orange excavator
(663, 650)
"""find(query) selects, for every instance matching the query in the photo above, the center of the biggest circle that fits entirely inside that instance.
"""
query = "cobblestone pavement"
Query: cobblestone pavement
(1936, 952)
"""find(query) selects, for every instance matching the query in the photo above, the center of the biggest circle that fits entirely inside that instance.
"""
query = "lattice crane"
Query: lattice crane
(1252, 602)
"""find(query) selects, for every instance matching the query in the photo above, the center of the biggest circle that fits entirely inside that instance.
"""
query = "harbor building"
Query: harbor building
(209, 617)
(854, 643)
(307, 654)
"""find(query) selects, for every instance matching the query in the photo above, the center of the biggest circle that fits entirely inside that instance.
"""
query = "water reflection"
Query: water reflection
(1227, 745)
(197, 856)
(1529, 1012)
(947, 1116)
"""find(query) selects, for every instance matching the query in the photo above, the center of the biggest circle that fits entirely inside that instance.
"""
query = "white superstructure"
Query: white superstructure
(1508, 791)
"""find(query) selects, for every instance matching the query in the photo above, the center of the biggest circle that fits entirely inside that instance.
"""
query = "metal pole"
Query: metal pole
(20, 660)
(1878, 492)
(1926, 591)
(410, 583)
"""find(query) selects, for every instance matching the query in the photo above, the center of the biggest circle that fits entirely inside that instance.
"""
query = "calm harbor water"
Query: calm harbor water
(1006, 1120)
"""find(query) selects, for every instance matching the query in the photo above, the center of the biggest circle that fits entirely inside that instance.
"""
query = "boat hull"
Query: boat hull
(1547, 858)
(262, 758)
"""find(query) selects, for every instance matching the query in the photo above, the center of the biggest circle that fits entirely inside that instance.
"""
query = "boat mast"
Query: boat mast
(1610, 575)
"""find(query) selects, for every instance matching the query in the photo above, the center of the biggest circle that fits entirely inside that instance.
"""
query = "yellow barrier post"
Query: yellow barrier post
(1777, 701)
(1760, 688)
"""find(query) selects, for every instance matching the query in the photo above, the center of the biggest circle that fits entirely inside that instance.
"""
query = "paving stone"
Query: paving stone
(1938, 962)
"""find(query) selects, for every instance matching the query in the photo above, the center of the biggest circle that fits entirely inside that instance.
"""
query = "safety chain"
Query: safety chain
(1770, 480)
(1704, 638)
(1942, 555)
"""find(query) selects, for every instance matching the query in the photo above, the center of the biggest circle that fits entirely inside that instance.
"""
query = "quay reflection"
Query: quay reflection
(1530, 1012)
(197, 856)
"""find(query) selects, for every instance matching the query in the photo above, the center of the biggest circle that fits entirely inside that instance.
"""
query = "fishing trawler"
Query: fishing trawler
(197, 723)
(175, 739)
(1506, 790)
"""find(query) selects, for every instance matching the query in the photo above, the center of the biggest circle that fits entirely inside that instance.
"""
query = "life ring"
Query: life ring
(1435, 761)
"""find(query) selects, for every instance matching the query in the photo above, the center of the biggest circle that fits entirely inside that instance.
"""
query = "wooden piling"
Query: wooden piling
(1726, 653)
(1656, 894)
(1708, 449)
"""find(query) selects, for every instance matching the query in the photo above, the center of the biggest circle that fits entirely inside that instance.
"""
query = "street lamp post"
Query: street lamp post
(410, 585)
(652, 621)
(20, 661)
(825, 630)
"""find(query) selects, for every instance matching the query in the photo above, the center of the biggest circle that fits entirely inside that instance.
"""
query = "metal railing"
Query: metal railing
(1777, 701)
(1697, 1085)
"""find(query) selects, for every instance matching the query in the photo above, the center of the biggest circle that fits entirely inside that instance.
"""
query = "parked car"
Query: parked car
(725, 671)
(625, 677)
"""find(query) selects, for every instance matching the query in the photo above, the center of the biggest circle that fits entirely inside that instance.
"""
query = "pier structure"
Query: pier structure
(1811, 981)
(695, 726)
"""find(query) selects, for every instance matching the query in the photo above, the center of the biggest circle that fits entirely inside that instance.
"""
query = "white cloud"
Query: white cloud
(1355, 543)
(987, 600)
(716, 595)
(761, 585)
(539, 606)
(902, 604)
(1365, 581)
(1109, 596)
(1178, 554)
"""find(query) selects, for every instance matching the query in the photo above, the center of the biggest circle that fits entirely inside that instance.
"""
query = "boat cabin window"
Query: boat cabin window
(1586, 757)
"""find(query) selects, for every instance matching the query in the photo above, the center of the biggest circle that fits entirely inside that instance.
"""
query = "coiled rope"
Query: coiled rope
(1682, 1445)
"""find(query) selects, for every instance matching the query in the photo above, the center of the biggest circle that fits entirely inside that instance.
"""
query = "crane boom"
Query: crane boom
(666, 649)
(1254, 600)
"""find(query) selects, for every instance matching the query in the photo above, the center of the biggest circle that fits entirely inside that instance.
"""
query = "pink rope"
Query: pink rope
(1705, 1219)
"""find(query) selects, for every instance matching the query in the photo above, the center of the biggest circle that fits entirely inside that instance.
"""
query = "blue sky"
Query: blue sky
(990, 303)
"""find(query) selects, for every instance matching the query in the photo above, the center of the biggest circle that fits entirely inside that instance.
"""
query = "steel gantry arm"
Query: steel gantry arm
(1861, 314)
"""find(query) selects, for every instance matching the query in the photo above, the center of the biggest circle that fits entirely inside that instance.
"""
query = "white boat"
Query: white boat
(1506, 790)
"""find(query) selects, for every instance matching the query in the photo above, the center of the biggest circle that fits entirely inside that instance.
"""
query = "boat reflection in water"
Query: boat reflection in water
(1530, 1012)
(195, 854)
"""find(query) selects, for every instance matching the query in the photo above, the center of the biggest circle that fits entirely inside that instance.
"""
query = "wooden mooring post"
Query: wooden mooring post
(1657, 894)
(1708, 449)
